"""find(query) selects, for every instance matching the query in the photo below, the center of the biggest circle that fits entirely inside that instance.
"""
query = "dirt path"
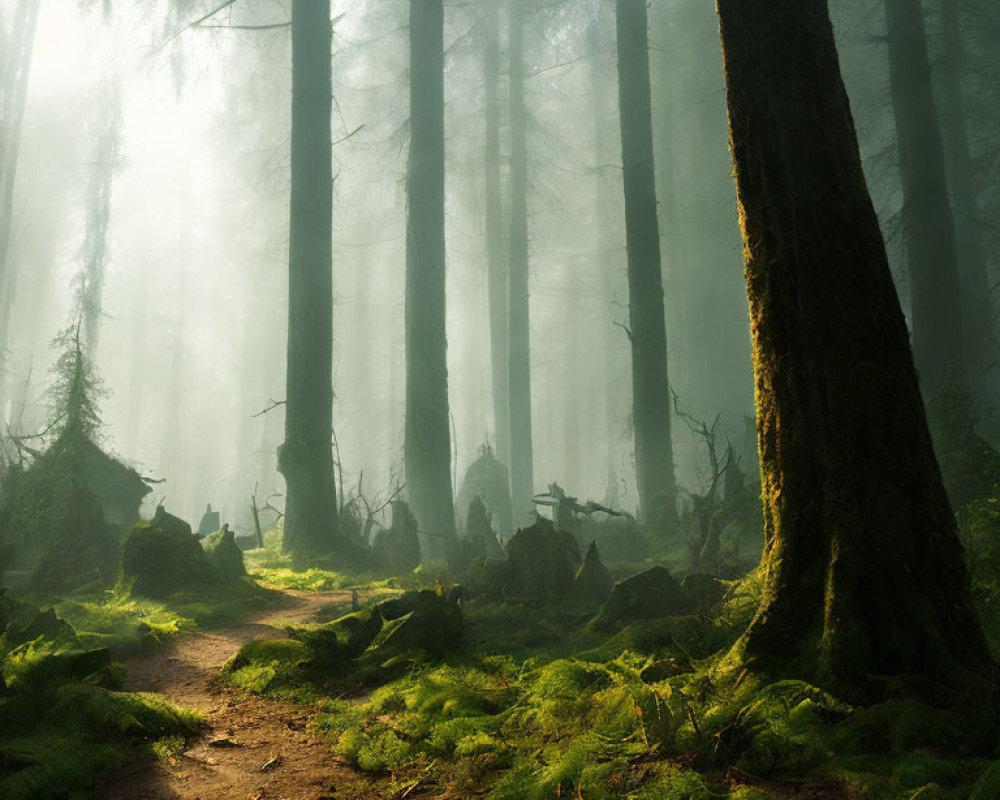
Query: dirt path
(251, 748)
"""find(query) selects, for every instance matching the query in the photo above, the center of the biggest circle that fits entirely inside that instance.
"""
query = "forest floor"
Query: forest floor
(251, 747)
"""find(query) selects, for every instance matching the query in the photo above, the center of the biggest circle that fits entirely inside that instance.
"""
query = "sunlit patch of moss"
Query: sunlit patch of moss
(56, 741)
(272, 666)
(122, 623)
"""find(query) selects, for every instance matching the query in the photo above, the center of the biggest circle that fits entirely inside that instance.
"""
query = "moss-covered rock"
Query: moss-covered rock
(334, 645)
(433, 624)
(162, 557)
(648, 595)
(225, 555)
(593, 581)
(542, 563)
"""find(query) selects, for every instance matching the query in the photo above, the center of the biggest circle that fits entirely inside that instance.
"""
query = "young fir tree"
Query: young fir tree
(863, 571)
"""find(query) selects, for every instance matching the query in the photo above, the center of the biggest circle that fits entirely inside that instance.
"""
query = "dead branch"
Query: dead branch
(273, 405)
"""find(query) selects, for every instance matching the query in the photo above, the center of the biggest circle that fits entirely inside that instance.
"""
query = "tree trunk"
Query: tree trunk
(496, 266)
(96, 247)
(306, 457)
(522, 477)
(863, 571)
(972, 263)
(938, 345)
(16, 66)
(654, 464)
(427, 434)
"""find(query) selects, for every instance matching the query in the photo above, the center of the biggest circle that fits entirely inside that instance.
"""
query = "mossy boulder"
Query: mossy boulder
(593, 581)
(163, 557)
(649, 595)
(433, 624)
(542, 563)
(225, 554)
(334, 645)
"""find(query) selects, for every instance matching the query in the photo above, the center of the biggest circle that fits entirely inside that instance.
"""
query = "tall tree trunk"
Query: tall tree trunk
(427, 448)
(938, 345)
(306, 457)
(863, 571)
(137, 361)
(15, 56)
(654, 463)
(496, 267)
(95, 253)
(522, 477)
(972, 263)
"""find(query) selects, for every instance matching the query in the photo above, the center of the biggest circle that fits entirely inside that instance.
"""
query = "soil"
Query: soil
(251, 748)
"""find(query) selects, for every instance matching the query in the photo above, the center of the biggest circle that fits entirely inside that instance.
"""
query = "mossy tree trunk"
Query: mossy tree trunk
(522, 477)
(427, 432)
(306, 456)
(654, 464)
(863, 571)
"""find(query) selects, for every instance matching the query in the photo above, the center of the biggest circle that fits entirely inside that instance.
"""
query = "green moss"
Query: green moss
(59, 739)
(276, 666)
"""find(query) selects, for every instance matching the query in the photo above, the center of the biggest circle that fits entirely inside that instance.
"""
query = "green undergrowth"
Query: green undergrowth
(276, 570)
(63, 720)
(535, 704)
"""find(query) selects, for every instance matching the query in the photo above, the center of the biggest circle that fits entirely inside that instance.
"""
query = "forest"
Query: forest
(502, 399)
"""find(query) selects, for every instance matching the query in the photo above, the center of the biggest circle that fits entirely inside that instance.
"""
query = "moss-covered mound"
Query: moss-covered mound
(649, 595)
(51, 524)
(333, 646)
(225, 555)
(421, 620)
(162, 557)
(541, 563)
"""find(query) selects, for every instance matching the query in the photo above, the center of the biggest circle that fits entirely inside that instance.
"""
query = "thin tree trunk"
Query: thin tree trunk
(938, 344)
(427, 449)
(972, 263)
(607, 266)
(96, 245)
(496, 266)
(519, 376)
(650, 391)
(306, 458)
(863, 571)
(137, 362)
(15, 73)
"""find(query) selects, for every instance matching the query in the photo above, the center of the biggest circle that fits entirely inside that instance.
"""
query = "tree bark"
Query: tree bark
(306, 457)
(938, 338)
(427, 430)
(651, 405)
(496, 266)
(972, 262)
(16, 68)
(863, 570)
(519, 375)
